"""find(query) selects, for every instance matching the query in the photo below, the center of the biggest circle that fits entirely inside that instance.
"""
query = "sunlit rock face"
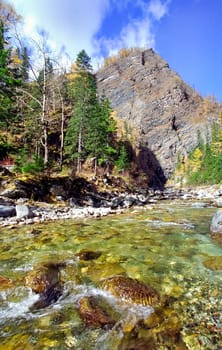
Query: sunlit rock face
(163, 113)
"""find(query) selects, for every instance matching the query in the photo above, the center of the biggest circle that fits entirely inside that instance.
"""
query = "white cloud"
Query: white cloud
(158, 9)
(139, 31)
(135, 34)
(77, 23)
(70, 22)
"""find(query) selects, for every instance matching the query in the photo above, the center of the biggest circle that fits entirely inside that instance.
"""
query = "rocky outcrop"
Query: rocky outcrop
(164, 114)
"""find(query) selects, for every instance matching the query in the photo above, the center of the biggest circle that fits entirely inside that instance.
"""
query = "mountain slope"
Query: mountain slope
(165, 114)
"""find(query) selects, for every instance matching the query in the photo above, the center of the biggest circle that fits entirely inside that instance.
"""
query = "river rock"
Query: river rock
(7, 210)
(5, 282)
(50, 296)
(43, 277)
(88, 255)
(92, 313)
(23, 211)
(131, 290)
(216, 224)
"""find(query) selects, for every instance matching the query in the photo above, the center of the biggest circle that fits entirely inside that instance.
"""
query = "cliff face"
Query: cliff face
(165, 113)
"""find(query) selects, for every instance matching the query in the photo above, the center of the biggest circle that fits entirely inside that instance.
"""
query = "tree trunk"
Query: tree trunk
(44, 119)
(95, 167)
(62, 135)
(79, 161)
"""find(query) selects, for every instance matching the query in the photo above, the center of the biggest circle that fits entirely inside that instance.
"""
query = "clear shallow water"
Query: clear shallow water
(166, 246)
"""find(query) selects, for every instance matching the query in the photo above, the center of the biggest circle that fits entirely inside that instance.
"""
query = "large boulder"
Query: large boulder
(216, 224)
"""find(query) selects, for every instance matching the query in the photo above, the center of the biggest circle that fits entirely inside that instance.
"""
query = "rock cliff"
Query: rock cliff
(164, 113)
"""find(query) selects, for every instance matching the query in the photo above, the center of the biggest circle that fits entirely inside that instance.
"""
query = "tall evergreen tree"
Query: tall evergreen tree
(7, 81)
(24, 69)
(101, 134)
(91, 129)
(83, 92)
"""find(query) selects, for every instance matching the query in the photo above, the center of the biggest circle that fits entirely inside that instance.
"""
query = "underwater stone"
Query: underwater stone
(5, 282)
(131, 290)
(88, 255)
(92, 313)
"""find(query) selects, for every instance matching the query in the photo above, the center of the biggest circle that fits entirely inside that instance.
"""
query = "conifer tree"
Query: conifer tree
(7, 80)
(83, 92)
(91, 129)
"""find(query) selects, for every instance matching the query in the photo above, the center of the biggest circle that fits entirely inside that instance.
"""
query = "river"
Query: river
(166, 245)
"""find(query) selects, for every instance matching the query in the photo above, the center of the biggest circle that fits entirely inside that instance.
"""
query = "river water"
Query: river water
(166, 245)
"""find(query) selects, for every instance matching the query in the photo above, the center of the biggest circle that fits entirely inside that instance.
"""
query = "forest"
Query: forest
(51, 116)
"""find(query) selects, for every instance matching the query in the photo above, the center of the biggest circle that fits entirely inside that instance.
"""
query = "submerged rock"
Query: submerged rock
(93, 314)
(5, 282)
(131, 290)
(213, 263)
(100, 271)
(88, 255)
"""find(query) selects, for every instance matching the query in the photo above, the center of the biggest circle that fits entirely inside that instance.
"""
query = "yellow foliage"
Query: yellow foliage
(16, 61)
(216, 145)
(125, 52)
(195, 162)
(197, 155)
(73, 72)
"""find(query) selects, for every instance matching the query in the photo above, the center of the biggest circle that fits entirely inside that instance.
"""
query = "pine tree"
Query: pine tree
(83, 92)
(24, 69)
(7, 81)
(101, 134)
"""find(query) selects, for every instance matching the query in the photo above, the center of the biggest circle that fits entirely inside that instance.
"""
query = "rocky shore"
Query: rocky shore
(21, 211)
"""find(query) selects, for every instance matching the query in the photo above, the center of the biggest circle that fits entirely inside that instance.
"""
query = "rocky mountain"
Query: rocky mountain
(164, 114)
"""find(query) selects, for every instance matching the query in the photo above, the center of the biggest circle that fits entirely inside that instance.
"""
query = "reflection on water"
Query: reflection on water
(167, 247)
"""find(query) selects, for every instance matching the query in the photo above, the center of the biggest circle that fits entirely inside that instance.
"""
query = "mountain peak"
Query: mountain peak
(167, 114)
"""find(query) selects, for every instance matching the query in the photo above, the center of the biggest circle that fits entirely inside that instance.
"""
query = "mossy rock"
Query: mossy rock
(92, 312)
(5, 282)
(131, 290)
(100, 271)
(213, 263)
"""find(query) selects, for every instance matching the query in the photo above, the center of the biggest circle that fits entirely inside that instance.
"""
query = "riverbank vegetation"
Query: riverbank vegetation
(203, 166)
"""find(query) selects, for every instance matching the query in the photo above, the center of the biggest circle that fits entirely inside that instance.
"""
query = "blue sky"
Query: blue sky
(186, 33)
